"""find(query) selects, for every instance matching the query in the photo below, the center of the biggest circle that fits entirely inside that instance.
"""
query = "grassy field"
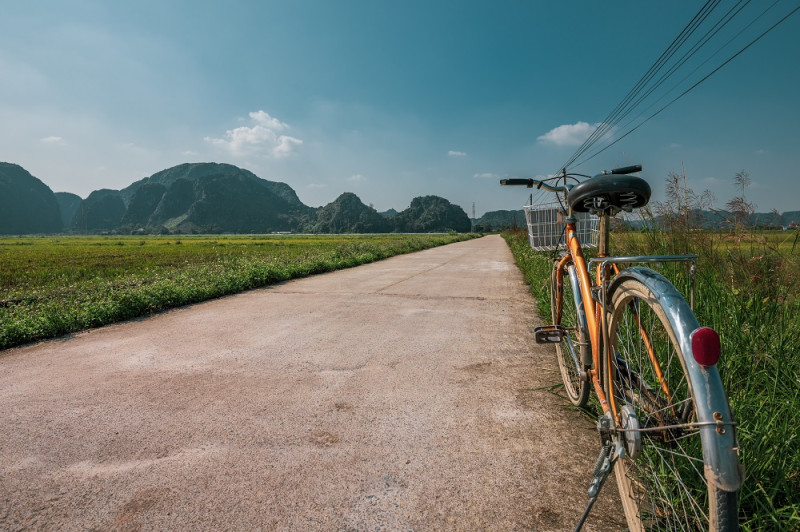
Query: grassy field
(747, 289)
(53, 286)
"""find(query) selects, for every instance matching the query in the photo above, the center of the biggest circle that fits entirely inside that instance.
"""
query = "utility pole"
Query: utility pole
(473, 218)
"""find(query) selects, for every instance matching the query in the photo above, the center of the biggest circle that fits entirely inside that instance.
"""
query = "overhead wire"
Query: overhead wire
(609, 121)
(720, 24)
(685, 92)
(698, 67)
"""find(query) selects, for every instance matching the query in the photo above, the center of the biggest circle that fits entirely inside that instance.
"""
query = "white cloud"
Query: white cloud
(285, 146)
(263, 118)
(356, 177)
(674, 146)
(52, 140)
(262, 138)
(760, 151)
(190, 153)
(568, 134)
(453, 153)
(486, 175)
(316, 185)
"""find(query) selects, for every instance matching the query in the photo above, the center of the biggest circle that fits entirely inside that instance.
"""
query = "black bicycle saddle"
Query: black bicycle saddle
(609, 193)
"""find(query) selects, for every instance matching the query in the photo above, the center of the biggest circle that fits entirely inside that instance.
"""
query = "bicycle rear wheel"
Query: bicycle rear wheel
(662, 480)
(575, 325)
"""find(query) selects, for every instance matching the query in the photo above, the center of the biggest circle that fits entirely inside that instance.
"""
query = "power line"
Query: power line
(684, 93)
(646, 86)
(721, 23)
(687, 76)
(608, 123)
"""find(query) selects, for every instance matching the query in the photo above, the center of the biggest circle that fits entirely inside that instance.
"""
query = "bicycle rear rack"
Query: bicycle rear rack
(606, 261)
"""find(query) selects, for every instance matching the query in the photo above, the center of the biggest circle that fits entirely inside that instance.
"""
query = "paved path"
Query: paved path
(401, 395)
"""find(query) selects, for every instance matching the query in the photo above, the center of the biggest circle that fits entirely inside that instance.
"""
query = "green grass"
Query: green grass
(54, 286)
(747, 289)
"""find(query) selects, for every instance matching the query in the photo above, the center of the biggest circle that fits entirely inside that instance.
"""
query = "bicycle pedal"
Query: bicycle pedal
(549, 334)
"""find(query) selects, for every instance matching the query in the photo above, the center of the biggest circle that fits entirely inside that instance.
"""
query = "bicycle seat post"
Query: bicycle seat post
(602, 238)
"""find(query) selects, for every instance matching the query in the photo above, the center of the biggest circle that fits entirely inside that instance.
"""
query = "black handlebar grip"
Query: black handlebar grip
(517, 181)
(627, 169)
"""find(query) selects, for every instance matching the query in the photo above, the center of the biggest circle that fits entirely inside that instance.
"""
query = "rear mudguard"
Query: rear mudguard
(717, 432)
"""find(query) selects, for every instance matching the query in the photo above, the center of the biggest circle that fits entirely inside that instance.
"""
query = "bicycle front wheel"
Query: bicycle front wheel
(661, 480)
(574, 323)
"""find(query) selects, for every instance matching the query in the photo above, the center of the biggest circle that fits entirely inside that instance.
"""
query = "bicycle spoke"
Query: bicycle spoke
(667, 478)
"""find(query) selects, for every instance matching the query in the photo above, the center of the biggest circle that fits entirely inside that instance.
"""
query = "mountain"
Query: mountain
(347, 214)
(718, 220)
(68, 204)
(236, 203)
(791, 218)
(206, 198)
(212, 197)
(174, 205)
(143, 203)
(196, 171)
(102, 211)
(431, 214)
(499, 220)
(26, 204)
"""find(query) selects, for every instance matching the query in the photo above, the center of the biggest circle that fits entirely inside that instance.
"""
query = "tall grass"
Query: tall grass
(747, 289)
(54, 286)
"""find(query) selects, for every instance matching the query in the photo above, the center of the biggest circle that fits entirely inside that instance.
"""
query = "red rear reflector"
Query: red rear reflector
(705, 346)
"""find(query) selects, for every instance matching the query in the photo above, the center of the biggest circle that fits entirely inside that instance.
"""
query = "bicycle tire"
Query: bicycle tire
(576, 388)
(665, 486)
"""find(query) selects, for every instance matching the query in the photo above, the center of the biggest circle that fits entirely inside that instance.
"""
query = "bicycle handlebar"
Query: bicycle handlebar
(530, 183)
(626, 169)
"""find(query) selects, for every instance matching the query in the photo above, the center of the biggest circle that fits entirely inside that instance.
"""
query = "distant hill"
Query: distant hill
(68, 204)
(26, 204)
(236, 203)
(102, 211)
(719, 220)
(500, 220)
(213, 198)
(429, 214)
(791, 218)
(347, 214)
(210, 198)
(196, 171)
(143, 204)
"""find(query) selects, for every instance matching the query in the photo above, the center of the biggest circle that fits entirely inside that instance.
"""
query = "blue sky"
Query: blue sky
(390, 100)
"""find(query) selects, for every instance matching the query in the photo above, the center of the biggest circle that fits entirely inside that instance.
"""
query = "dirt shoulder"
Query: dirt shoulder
(405, 394)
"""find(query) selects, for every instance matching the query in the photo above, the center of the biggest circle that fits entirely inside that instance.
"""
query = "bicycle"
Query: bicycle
(629, 335)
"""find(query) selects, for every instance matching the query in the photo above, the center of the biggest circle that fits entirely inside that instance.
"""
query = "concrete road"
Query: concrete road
(402, 395)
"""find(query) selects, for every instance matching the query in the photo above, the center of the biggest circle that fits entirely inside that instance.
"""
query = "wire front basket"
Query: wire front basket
(546, 222)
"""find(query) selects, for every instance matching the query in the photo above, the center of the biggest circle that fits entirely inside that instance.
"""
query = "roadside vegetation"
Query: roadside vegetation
(54, 286)
(747, 289)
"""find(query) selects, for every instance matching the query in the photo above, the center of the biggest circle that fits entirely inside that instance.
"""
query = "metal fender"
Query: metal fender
(717, 432)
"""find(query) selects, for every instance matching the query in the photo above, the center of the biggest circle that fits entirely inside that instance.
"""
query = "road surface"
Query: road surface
(402, 395)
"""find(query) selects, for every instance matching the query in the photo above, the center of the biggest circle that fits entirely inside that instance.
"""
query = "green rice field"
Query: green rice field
(50, 286)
